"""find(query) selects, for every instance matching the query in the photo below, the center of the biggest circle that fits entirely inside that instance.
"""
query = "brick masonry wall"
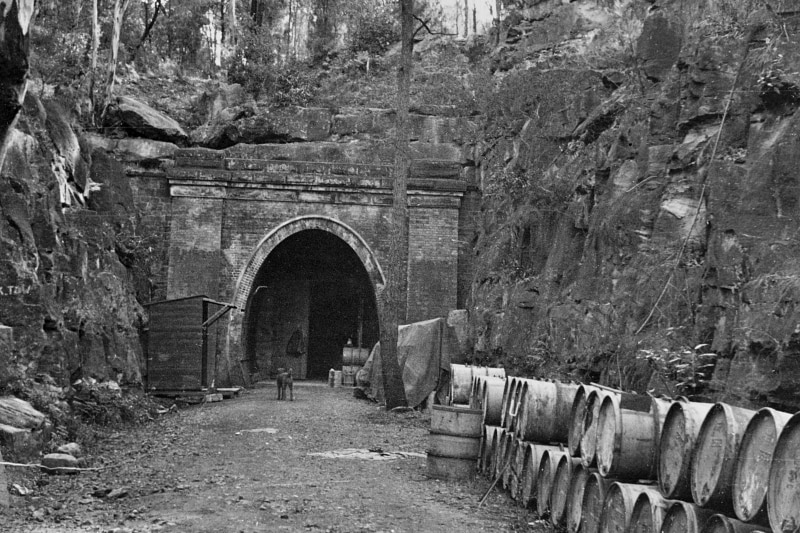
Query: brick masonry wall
(432, 261)
(194, 250)
(152, 200)
(216, 219)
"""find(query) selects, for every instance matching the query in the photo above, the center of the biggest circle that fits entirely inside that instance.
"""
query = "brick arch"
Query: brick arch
(244, 284)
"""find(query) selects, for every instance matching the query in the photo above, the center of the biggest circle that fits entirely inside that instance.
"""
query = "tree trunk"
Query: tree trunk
(499, 20)
(147, 29)
(119, 14)
(232, 28)
(395, 291)
(95, 47)
(15, 21)
(466, 18)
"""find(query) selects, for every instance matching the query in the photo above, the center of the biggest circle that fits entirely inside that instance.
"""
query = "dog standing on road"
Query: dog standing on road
(285, 381)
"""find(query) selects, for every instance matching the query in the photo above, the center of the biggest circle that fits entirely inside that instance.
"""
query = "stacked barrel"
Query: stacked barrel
(595, 459)
(352, 361)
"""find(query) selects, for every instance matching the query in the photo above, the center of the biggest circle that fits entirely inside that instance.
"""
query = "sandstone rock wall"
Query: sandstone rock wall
(71, 241)
(640, 177)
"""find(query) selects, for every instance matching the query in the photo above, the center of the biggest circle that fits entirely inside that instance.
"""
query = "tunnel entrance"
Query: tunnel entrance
(311, 295)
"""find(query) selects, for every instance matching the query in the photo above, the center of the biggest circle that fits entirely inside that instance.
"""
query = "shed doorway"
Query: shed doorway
(310, 297)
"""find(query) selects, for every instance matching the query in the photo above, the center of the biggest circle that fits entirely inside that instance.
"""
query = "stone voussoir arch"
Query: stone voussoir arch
(272, 239)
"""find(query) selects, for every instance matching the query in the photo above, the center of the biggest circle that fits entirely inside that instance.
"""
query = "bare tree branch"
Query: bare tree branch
(424, 26)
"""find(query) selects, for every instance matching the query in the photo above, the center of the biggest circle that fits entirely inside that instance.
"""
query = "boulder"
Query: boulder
(142, 119)
(17, 440)
(71, 448)
(20, 414)
(293, 124)
(59, 463)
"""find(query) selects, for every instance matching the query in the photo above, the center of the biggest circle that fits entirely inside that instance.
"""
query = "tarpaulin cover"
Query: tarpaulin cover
(423, 351)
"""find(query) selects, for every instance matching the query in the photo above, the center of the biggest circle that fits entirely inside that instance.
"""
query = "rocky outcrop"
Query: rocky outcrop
(243, 122)
(639, 199)
(67, 305)
(23, 430)
(134, 116)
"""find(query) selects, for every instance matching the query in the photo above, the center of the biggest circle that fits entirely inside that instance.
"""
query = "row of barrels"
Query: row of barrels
(579, 499)
(701, 459)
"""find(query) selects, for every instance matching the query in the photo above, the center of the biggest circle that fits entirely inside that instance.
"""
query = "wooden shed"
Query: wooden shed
(184, 343)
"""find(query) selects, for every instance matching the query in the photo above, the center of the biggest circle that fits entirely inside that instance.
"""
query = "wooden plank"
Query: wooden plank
(173, 393)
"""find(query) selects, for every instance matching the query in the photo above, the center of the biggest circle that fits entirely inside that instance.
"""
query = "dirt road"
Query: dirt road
(247, 465)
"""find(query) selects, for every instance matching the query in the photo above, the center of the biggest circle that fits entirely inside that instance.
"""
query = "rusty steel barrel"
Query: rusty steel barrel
(474, 390)
(460, 383)
(618, 506)
(580, 475)
(685, 517)
(509, 474)
(516, 403)
(509, 396)
(648, 512)
(488, 443)
(544, 411)
(719, 523)
(783, 494)
(544, 481)
(625, 442)
(492, 400)
(577, 415)
(530, 471)
(559, 493)
(594, 495)
(714, 455)
(482, 375)
(751, 470)
(503, 457)
(680, 431)
(590, 421)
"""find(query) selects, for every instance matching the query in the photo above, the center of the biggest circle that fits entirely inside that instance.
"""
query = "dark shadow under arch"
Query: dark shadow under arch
(307, 276)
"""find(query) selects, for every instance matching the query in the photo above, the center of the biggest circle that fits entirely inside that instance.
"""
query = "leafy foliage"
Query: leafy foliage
(690, 369)
(257, 67)
(373, 31)
(183, 38)
(252, 63)
(294, 85)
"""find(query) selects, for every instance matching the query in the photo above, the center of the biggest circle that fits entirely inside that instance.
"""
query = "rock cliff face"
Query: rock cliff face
(68, 234)
(639, 165)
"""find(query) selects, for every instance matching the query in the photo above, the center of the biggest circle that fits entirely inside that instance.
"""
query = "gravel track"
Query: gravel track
(204, 469)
